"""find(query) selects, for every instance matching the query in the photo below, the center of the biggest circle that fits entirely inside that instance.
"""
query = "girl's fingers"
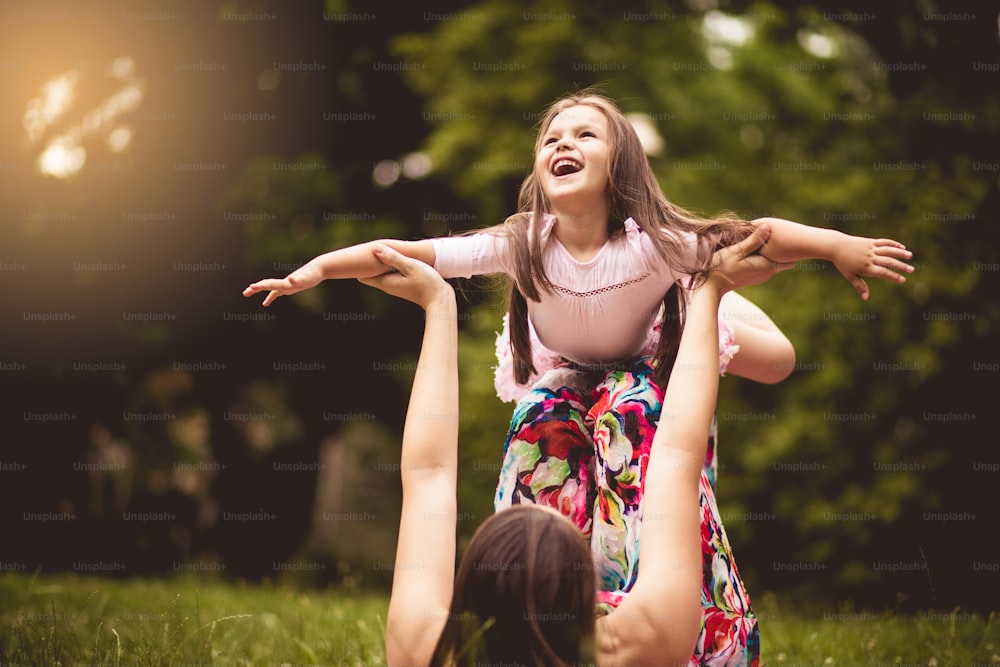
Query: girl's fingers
(887, 267)
(893, 251)
(253, 288)
(896, 265)
(862, 287)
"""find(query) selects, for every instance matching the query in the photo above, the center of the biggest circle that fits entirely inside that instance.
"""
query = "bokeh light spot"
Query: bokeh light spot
(61, 158)
(652, 142)
(386, 172)
(417, 165)
(119, 139)
(64, 154)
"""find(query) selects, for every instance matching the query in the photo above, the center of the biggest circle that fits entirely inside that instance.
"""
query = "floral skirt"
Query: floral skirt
(579, 442)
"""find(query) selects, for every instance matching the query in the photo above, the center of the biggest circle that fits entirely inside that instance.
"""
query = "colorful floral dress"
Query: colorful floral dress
(584, 452)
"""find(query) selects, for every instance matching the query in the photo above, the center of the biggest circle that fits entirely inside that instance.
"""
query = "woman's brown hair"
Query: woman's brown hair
(633, 192)
(524, 593)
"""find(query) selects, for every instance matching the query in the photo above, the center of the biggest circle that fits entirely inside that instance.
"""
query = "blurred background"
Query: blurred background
(156, 157)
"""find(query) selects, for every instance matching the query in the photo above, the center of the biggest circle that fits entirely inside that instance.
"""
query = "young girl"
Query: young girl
(594, 256)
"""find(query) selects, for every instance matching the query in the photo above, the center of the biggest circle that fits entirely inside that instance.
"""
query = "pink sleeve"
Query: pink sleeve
(467, 256)
(727, 342)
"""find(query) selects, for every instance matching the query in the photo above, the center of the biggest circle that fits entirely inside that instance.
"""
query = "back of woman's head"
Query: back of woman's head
(524, 593)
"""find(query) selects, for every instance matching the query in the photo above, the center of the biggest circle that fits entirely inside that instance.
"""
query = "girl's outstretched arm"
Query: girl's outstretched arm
(856, 257)
(424, 571)
(657, 624)
(358, 261)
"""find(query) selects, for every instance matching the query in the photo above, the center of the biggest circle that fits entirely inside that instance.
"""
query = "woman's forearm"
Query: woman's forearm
(424, 569)
(690, 397)
(661, 615)
(431, 428)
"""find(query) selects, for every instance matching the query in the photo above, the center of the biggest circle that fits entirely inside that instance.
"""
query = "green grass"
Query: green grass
(847, 636)
(68, 620)
(82, 620)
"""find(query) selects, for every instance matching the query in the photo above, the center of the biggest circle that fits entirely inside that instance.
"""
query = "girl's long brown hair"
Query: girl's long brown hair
(633, 192)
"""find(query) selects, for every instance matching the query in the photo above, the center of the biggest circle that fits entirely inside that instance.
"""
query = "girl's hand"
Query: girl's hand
(410, 279)
(857, 257)
(740, 265)
(306, 276)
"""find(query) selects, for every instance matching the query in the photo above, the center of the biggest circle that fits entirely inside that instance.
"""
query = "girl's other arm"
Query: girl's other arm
(358, 261)
(856, 257)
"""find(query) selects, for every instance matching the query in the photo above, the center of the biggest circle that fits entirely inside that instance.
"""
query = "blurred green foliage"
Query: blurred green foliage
(795, 110)
(784, 111)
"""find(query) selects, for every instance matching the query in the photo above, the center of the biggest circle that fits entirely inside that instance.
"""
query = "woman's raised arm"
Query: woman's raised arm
(658, 623)
(424, 571)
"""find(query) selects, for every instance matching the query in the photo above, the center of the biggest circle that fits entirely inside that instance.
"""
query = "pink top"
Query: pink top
(601, 311)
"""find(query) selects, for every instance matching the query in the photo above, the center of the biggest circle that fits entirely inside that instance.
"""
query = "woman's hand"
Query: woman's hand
(740, 265)
(410, 279)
